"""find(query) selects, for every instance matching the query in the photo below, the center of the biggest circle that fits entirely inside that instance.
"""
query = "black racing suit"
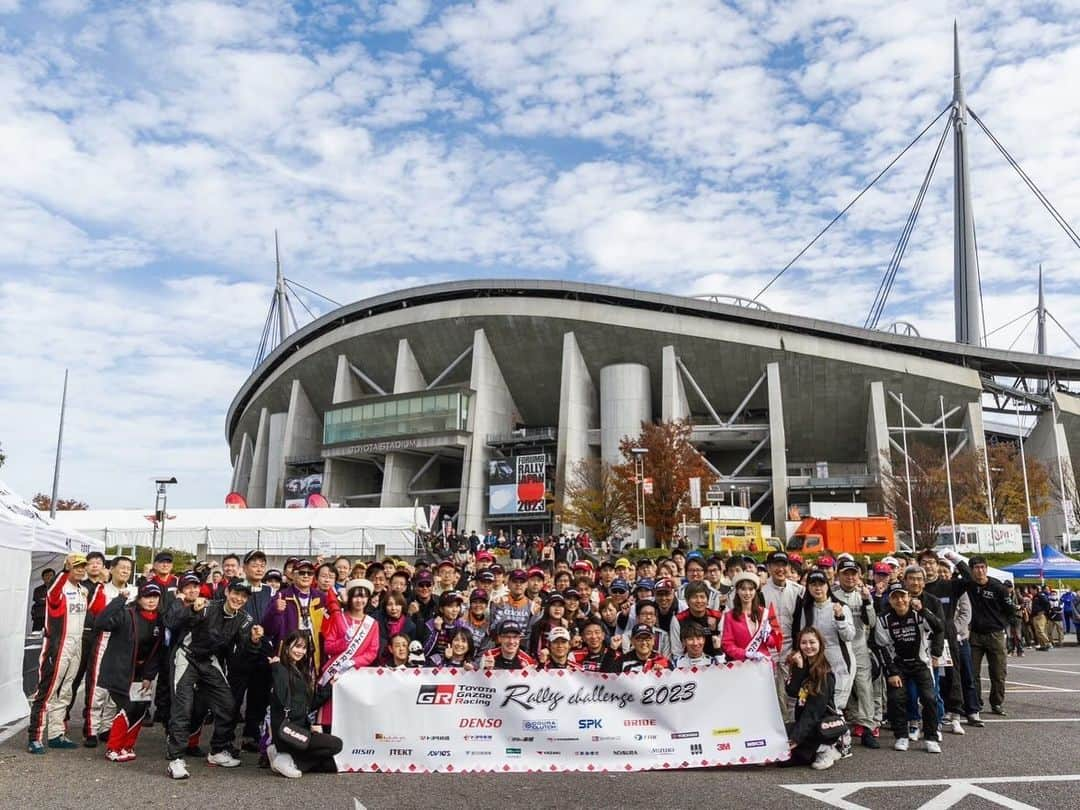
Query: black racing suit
(903, 644)
(250, 674)
(201, 641)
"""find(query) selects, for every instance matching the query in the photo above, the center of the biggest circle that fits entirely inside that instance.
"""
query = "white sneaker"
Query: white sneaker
(933, 747)
(901, 744)
(825, 759)
(222, 759)
(178, 769)
(283, 764)
(114, 756)
(953, 726)
(913, 731)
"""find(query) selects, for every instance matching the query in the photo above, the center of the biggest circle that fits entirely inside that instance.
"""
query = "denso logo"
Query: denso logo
(435, 694)
(638, 723)
(592, 722)
(438, 753)
(480, 722)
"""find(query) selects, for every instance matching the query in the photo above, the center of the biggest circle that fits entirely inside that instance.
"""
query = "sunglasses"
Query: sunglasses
(305, 573)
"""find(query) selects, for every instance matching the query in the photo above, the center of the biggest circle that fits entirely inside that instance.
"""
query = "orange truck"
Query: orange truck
(855, 535)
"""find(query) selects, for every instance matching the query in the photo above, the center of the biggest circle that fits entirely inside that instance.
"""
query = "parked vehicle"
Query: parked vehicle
(869, 535)
(981, 538)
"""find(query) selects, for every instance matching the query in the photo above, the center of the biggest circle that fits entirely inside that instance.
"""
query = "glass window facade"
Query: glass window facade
(423, 413)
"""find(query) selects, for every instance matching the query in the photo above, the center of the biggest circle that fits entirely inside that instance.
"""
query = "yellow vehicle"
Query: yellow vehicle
(735, 536)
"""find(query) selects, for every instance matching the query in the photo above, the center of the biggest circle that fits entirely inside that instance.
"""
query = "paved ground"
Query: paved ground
(1027, 760)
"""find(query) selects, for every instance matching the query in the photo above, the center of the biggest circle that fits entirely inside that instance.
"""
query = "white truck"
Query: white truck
(981, 538)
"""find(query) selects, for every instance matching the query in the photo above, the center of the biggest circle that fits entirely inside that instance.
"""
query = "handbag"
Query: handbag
(298, 736)
(832, 726)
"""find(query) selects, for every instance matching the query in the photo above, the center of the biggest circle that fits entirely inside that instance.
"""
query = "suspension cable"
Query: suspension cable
(1010, 323)
(878, 307)
(313, 292)
(300, 300)
(1022, 330)
(854, 200)
(260, 353)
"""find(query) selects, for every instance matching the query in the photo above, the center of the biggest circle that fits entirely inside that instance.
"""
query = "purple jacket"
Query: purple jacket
(278, 625)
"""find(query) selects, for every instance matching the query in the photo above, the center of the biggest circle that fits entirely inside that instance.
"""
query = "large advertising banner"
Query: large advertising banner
(422, 721)
(518, 486)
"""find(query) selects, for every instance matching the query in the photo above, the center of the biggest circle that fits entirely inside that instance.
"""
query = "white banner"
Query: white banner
(421, 721)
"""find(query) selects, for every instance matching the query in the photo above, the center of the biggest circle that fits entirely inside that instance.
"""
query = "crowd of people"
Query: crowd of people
(854, 646)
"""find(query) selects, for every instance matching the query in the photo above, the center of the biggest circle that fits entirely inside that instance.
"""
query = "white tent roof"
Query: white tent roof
(23, 526)
(273, 530)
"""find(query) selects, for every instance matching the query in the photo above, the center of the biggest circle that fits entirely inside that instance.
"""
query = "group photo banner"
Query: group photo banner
(514, 721)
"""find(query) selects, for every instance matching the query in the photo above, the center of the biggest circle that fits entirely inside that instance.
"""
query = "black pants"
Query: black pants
(163, 693)
(319, 756)
(896, 698)
(254, 679)
(205, 676)
(81, 679)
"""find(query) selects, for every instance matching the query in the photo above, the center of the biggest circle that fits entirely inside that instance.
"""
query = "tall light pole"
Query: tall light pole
(639, 490)
(160, 511)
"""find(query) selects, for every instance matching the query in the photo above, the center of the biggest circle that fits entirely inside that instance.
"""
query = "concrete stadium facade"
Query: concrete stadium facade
(411, 396)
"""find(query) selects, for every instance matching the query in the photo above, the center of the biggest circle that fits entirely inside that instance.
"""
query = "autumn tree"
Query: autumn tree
(929, 496)
(43, 502)
(671, 461)
(593, 501)
(1006, 484)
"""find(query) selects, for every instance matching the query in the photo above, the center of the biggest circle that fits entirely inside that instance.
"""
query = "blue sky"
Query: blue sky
(152, 148)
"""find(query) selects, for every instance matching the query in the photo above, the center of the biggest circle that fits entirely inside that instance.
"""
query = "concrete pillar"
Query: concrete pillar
(1041, 445)
(399, 468)
(256, 491)
(346, 386)
(973, 424)
(275, 461)
(578, 409)
(673, 402)
(777, 451)
(492, 411)
(242, 469)
(625, 402)
(878, 455)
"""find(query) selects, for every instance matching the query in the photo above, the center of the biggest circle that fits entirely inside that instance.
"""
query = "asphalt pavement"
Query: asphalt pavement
(1028, 759)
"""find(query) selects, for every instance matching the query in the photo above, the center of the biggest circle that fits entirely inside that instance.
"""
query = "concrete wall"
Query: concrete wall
(242, 467)
(777, 450)
(579, 408)
(346, 386)
(1041, 445)
(493, 411)
(401, 467)
(878, 453)
(275, 460)
(673, 402)
(625, 402)
(256, 491)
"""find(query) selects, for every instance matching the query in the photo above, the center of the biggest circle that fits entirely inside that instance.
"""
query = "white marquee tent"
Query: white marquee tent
(27, 540)
(278, 532)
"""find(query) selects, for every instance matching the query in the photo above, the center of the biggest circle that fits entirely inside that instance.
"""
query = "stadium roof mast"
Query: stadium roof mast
(967, 303)
(1040, 323)
(281, 300)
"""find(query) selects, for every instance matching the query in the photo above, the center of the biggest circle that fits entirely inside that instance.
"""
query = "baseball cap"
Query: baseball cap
(896, 588)
(817, 576)
(240, 585)
(536, 572)
(582, 565)
(622, 562)
(641, 630)
(150, 589)
(484, 556)
(446, 563)
(273, 573)
(449, 598)
(776, 557)
(496, 569)
(485, 576)
(75, 559)
(694, 555)
(619, 586)
(795, 558)
(555, 596)
(644, 584)
(302, 564)
(161, 556)
(895, 563)
(255, 554)
(518, 575)
(847, 565)
(571, 593)
(664, 584)
(479, 595)
(509, 628)
(882, 568)
(189, 578)
(826, 562)
(424, 578)
(559, 632)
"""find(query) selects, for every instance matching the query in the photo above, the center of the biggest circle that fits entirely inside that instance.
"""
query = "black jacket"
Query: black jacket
(991, 611)
(931, 604)
(292, 692)
(135, 647)
(810, 709)
(210, 632)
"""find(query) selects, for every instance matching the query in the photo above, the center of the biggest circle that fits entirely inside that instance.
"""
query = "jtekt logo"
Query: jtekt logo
(435, 694)
(400, 752)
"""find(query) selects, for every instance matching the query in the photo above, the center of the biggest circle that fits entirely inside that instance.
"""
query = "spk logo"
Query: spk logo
(435, 694)
(592, 722)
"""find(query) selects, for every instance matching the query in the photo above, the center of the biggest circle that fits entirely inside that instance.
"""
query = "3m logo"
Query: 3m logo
(433, 694)
(723, 746)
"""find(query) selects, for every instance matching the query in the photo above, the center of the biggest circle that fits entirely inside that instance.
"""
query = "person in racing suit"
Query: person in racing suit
(61, 651)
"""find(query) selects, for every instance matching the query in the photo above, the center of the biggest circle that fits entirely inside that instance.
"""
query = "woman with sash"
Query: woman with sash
(351, 638)
(751, 630)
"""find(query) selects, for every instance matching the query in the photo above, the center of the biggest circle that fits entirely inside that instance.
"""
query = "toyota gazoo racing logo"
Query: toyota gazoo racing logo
(448, 694)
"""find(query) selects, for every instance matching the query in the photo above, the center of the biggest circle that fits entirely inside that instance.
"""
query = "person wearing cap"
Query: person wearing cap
(508, 654)
(821, 609)
(516, 606)
(61, 651)
(850, 590)
(914, 579)
(902, 639)
(827, 565)
(557, 653)
(643, 656)
(956, 683)
(782, 593)
(434, 634)
(751, 629)
(100, 710)
(646, 613)
(96, 574)
(134, 647)
(204, 633)
(298, 607)
(161, 573)
(274, 580)
(249, 676)
(424, 604)
(350, 638)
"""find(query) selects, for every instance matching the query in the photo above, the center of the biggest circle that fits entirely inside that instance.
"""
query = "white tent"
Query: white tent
(24, 533)
(278, 532)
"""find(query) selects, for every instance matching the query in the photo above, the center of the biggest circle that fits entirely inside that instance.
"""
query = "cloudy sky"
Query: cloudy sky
(151, 148)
